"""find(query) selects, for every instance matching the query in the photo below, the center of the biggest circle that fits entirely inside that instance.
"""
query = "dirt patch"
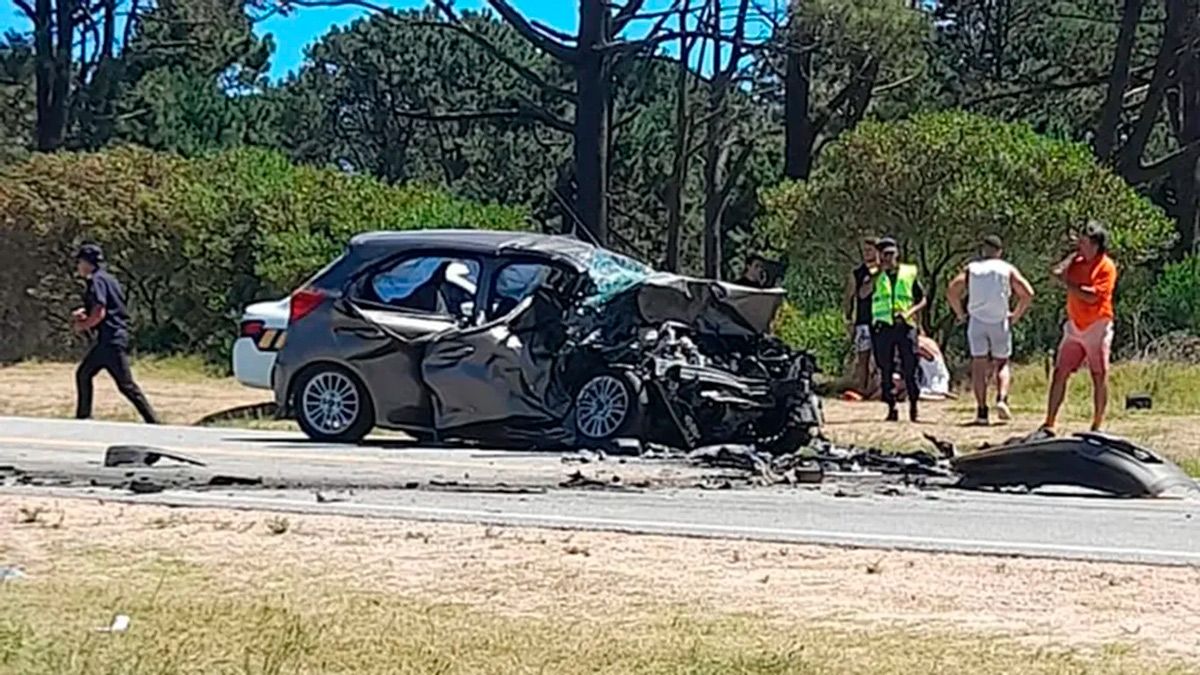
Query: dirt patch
(48, 390)
(539, 573)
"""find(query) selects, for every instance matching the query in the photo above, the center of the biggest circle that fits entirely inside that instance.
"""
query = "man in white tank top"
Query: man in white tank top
(990, 283)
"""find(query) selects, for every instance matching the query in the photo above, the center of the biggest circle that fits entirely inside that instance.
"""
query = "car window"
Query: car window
(517, 281)
(429, 284)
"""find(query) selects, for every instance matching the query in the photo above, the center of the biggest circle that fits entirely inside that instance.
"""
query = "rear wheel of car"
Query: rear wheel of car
(609, 406)
(332, 406)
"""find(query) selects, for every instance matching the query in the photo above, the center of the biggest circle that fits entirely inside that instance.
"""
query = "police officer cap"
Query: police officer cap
(91, 253)
(888, 244)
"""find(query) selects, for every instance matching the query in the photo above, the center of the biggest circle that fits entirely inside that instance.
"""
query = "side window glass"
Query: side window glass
(429, 284)
(517, 281)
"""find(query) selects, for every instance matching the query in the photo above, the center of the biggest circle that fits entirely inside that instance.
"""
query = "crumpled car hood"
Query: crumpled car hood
(712, 307)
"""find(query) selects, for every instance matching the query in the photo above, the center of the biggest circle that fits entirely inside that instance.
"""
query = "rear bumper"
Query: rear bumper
(251, 366)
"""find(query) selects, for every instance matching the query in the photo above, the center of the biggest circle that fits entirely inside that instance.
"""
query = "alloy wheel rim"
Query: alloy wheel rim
(330, 402)
(602, 406)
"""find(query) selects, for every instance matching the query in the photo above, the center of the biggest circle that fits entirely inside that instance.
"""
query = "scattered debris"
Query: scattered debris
(254, 411)
(584, 456)
(120, 624)
(11, 573)
(28, 515)
(875, 567)
(491, 488)
(234, 481)
(141, 455)
(577, 550)
(579, 481)
(278, 525)
(323, 499)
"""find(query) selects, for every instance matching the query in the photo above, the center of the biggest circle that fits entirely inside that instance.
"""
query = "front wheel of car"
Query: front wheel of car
(332, 406)
(609, 406)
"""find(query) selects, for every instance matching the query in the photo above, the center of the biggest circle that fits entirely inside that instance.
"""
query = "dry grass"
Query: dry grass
(182, 391)
(1171, 427)
(211, 592)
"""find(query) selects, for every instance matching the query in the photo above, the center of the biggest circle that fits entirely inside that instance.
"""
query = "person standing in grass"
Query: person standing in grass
(1090, 277)
(103, 314)
(990, 283)
(857, 308)
(897, 299)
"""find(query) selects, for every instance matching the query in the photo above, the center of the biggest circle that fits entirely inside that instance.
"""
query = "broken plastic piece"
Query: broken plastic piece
(141, 455)
(1091, 460)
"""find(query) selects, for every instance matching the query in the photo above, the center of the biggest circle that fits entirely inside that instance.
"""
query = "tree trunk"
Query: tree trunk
(799, 135)
(51, 115)
(714, 156)
(683, 122)
(591, 121)
(1187, 176)
(1118, 81)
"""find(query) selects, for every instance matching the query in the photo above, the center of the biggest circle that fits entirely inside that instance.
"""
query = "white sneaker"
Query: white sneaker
(1003, 411)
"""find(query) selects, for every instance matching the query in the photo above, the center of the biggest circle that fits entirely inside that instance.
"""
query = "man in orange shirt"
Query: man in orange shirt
(1090, 276)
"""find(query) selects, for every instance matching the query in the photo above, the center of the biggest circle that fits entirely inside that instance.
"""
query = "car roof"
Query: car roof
(483, 242)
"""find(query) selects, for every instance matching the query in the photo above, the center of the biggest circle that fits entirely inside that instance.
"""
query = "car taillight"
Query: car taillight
(252, 329)
(304, 301)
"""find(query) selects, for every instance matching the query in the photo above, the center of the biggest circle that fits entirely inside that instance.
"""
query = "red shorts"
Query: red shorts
(1092, 344)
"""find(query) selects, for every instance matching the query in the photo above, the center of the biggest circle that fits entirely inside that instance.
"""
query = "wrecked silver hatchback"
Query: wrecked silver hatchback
(540, 341)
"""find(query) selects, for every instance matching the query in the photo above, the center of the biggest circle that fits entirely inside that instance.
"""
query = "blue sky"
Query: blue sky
(304, 26)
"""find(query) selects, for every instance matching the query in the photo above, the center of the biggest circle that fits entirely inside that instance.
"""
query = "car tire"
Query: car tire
(610, 405)
(332, 405)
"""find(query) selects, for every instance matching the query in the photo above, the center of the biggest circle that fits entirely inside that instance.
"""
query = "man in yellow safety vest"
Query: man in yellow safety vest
(896, 299)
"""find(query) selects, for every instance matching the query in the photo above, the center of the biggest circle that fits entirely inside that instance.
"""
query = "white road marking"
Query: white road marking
(497, 517)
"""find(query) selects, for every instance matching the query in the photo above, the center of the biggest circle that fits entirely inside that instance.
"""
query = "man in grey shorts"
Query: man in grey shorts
(989, 283)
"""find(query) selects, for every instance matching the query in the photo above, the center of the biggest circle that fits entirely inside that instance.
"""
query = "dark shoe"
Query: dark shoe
(981, 417)
(893, 415)
(912, 412)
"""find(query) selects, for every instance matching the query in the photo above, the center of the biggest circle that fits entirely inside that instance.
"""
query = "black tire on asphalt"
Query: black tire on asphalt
(358, 428)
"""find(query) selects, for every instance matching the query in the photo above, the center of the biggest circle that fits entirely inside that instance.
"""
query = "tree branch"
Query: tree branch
(627, 14)
(531, 113)
(535, 37)
(26, 9)
(495, 52)
(1147, 173)
(1165, 74)
(1118, 80)
(736, 169)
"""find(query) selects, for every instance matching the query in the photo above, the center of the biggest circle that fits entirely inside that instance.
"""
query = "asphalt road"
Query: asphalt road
(391, 479)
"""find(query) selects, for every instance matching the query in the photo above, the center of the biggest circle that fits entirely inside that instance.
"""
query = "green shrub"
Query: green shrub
(940, 183)
(1176, 298)
(823, 334)
(193, 240)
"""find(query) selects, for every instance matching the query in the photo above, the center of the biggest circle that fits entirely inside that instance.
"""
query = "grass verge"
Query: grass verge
(192, 619)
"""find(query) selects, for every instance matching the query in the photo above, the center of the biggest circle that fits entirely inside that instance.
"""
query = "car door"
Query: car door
(499, 376)
(395, 307)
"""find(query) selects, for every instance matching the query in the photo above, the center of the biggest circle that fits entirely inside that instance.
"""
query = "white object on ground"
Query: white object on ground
(934, 377)
(11, 573)
(120, 624)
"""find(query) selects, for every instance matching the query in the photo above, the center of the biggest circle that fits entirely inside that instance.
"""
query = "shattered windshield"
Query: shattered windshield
(613, 274)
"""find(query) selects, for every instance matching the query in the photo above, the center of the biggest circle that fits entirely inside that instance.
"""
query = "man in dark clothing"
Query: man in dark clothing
(858, 314)
(896, 299)
(754, 274)
(103, 314)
